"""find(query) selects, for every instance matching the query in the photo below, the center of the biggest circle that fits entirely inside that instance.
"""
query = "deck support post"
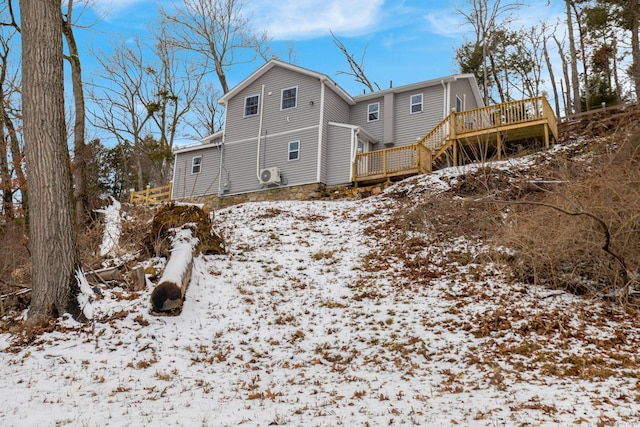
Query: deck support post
(455, 152)
(499, 145)
(546, 137)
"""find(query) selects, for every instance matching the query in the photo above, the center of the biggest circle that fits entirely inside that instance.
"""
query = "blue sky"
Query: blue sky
(406, 41)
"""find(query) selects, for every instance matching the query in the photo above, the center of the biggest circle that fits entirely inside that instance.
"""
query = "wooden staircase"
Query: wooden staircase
(481, 130)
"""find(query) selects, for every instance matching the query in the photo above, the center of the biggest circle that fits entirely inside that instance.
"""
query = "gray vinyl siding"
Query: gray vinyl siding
(186, 184)
(333, 165)
(462, 89)
(339, 155)
(274, 120)
(359, 114)
(409, 127)
(240, 160)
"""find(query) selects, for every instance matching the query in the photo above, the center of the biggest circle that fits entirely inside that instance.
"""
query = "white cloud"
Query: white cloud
(445, 23)
(300, 19)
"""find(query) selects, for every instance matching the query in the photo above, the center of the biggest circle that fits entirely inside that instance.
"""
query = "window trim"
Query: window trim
(421, 103)
(295, 104)
(290, 151)
(244, 113)
(195, 165)
(377, 112)
(459, 101)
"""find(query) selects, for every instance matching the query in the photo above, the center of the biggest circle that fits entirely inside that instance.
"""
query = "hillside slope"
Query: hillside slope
(360, 312)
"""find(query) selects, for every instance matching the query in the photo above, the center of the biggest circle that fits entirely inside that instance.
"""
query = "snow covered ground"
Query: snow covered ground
(309, 320)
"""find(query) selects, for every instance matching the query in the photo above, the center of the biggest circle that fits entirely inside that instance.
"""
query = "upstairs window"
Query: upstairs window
(416, 103)
(251, 105)
(289, 97)
(196, 164)
(294, 150)
(458, 104)
(373, 112)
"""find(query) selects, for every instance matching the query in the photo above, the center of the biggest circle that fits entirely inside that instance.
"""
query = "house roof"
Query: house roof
(276, 63)
(338, 90)
(423, 84)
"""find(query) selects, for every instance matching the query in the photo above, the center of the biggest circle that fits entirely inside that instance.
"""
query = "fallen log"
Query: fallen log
(168, 295)
(104, 275)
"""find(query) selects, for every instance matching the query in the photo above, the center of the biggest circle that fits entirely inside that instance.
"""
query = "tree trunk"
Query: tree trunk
(79, 148)
(16, 159)
(566, 97)
(5, 178)
(635, 48)
(552, 77)
(52, 229)
(575, 83)
(583, 53)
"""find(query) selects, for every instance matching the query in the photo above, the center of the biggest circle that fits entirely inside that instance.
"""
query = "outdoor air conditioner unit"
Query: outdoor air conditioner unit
(270, 176)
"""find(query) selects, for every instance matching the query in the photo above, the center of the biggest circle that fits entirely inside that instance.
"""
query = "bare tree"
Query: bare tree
(566, 96)
(79, 149)
(120, 100)
(174, 84)
(12, 178)
(488, 18)
(54, 249)
(356, 68)
(219, 31)
(546, 35)
(575, 83)
(207, 117)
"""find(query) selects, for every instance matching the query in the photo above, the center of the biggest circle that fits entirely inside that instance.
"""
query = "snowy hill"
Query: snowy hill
(334, 313)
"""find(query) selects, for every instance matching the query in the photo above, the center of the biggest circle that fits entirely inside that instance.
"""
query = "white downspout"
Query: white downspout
(221, 151)
(320, 126)
(445, 112)
(221, 148)
(354, 149)
(260, 133)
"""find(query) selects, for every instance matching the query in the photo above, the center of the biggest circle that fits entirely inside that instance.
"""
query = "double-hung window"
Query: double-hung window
(289, 98)
(251, 105)
(294, 150)
(373, 112)
(196, 165)
(416, 103)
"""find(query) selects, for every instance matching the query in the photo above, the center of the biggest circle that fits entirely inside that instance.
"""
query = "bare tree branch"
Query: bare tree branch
(357, 68)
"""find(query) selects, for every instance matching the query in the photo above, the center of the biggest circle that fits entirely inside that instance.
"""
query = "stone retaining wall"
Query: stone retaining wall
(298, 192)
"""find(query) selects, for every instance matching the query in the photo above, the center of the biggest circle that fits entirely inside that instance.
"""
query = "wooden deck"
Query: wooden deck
(472, 135)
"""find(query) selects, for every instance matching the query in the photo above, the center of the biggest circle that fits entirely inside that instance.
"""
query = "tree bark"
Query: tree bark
(79, 148)
(54, 248)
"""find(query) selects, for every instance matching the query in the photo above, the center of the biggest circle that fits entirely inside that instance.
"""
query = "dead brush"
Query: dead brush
(584, 236)
(15, 266)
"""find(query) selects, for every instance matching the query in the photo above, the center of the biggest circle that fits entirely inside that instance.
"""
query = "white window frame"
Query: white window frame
(257, 106)
(459, 102)
(295, 100)
(376, 112)
(291, 151)
(412, 103)
(196, 163)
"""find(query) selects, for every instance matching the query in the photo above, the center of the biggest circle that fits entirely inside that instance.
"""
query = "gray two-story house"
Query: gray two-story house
(287, 126)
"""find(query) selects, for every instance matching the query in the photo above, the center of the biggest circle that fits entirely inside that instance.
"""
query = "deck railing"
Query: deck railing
(392, 162)
(506, 114)
(438, 135)
(411, 159)
(151, 195)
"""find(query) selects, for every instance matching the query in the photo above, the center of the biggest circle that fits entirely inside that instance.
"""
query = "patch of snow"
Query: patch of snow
(112, 229)
(85, 296)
